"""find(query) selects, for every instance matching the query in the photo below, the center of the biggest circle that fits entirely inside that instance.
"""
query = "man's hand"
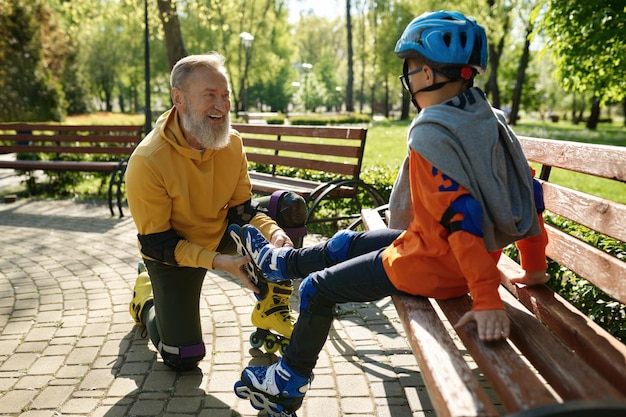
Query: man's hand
(492, 324)
(532, 278)
(232, 265)
(280, 239)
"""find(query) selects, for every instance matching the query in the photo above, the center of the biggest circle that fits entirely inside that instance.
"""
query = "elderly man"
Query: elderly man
(186, 182)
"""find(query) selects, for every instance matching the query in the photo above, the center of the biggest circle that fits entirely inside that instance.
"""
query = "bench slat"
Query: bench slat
(594, 264)
(599, 160)
(566, 373)
(438, 356)
(307, 131)
(60, 165)
(267, 183)
(372, 220)
(23, 127)
(302, 147)
(517, 387)
(592, 344)
(605, 216)
(317, 165)
(116, 139)
(107, 150)
(446, 374)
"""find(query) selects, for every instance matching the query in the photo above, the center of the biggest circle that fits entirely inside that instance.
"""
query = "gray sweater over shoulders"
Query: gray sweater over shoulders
(471, 142)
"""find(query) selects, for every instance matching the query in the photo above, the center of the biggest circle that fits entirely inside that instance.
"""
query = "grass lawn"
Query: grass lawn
(386, 146)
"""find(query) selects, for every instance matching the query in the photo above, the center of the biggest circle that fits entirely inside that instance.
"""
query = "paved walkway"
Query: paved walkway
(68, 346)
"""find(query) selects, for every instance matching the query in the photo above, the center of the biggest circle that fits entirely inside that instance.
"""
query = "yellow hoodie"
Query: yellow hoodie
(173, 186)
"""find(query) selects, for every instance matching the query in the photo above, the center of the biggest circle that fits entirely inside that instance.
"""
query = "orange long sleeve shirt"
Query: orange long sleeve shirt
(427, 260)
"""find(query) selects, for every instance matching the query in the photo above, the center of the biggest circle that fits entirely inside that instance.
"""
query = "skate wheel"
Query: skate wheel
(283, 345)
(255, 340)
(271, 344)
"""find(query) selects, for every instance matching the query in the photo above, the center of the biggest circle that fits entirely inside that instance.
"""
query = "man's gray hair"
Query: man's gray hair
(212, 61)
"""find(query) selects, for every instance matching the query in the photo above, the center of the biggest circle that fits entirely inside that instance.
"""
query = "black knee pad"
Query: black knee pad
(187, 358)
(180, 364)
(289, 210)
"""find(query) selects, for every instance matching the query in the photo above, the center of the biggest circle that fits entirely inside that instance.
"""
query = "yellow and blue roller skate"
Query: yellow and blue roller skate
(142, 293)
(275, 389)
(272, 310)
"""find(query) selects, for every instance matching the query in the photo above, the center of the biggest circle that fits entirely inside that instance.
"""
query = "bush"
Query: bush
(309, 120)
(62, 184)
(322, 120)
(276, 120)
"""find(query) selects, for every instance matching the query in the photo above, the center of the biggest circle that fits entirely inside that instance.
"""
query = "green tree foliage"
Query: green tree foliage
(31, 49)
(96, 46)
(588, 43)
(532, 91)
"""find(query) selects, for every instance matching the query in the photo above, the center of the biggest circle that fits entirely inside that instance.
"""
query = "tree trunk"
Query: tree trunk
(624, 110)
(171, 29)
(492, 84)
(495, 52)
(350, 82)
(521, 73)
(387, 92)
(594, 117)
(406, 105)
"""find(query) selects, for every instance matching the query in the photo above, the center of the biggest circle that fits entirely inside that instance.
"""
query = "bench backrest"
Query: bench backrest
(336, 150)
(577, 358)
(599, 214)
(50, 138)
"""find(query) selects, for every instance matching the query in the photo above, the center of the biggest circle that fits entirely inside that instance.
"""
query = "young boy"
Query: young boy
(472, 194)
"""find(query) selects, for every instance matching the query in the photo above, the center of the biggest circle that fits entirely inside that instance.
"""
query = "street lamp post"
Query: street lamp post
(148, 110)
(306, 68)
(246, 41)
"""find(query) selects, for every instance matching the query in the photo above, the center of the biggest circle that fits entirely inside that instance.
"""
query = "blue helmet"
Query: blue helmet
(447, 38)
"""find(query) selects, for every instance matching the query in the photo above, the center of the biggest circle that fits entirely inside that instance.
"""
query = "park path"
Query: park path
(69, 348)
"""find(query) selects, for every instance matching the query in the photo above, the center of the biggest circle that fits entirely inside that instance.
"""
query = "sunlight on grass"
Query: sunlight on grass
(105, 118)
(386, 146)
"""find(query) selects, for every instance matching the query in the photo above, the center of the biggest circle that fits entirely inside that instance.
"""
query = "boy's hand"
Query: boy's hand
(492, 324)
(532, 278)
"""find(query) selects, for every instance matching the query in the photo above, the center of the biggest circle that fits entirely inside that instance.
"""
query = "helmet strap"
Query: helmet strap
(434, 87)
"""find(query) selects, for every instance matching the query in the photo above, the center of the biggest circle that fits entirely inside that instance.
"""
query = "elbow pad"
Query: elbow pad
(160, 246)
(243, 213)
(472, 216)
(538, 194)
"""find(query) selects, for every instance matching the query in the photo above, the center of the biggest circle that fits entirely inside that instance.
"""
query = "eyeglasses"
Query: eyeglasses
(404, 78)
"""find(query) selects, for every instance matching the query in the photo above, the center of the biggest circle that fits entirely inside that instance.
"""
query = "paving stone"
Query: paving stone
(68, 346)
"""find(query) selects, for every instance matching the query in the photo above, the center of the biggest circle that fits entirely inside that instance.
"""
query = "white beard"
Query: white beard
(210, 136)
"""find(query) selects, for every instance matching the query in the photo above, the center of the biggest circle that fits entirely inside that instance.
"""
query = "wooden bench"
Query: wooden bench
(557, 361)
(330, 150)
(53, 145)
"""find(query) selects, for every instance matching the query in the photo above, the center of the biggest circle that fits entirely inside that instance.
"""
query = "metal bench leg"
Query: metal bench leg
(117, 178)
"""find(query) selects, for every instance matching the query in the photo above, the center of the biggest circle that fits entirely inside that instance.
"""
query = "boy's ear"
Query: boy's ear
(429, 74)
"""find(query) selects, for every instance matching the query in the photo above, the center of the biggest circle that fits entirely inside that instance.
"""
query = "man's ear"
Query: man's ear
(177, 97)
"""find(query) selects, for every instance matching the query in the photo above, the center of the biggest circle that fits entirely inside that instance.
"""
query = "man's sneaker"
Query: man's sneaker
(275, 389)
(269, 259)
(142, 293)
